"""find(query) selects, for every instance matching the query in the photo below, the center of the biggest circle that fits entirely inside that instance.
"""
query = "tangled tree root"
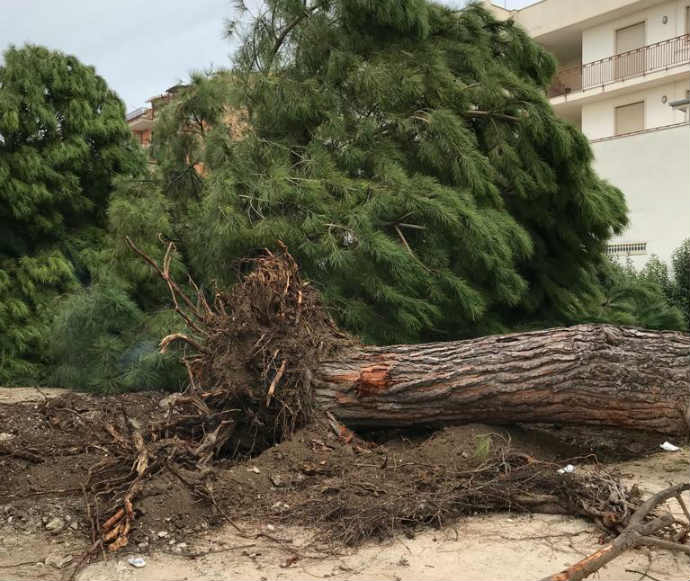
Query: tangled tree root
(249, 383)
(251, 354)
(640, 529)
(248, 354)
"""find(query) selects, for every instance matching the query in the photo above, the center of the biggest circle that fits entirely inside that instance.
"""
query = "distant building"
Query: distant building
(623, 78)
(141, 120)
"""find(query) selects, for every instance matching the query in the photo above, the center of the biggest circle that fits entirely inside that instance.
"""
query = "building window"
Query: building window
(630, 54)
(626, 249)
(630, 118)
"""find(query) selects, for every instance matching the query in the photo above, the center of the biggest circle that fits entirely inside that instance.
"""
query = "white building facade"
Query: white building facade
(623, 64)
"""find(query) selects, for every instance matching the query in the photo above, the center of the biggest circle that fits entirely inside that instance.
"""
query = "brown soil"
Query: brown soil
(49, 446)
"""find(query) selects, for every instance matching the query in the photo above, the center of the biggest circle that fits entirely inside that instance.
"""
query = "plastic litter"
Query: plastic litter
(137, 562)
(669, 447)
(569, 468)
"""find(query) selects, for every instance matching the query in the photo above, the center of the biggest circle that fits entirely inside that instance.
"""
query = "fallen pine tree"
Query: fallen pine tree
(272, 327)
(587, 374)
(265, 360)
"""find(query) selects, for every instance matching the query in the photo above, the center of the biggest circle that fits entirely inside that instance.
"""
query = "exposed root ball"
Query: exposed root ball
(249, 353)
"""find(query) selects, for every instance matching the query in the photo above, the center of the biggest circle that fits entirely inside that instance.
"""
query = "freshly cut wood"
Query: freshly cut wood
(587, 374)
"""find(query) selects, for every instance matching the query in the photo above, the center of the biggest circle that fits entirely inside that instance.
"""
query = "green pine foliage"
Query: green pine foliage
(407, 155)
(62, 139)
(105, 336)
(103, 341)
(639, 298)
(680, 289)
(675, 283)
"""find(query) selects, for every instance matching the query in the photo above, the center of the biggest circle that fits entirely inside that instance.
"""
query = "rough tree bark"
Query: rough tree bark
(588, 374)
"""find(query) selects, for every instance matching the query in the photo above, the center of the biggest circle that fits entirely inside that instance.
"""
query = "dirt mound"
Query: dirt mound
(64, 476)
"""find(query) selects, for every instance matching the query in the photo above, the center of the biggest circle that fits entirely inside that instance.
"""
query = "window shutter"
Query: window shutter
(630, 37)
(630, 118)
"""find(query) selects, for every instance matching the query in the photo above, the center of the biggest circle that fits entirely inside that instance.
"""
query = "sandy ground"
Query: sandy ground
(28, 394)
(496, 547)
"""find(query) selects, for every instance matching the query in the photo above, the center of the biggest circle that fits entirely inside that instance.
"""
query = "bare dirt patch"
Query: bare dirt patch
(342, 490)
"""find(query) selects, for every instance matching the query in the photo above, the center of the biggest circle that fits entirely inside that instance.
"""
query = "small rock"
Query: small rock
(254, 469)
(182, 545)
(270, 527)
(58, 561)
(55, 525)
(137, 562)
(280, 506)
(5, 437)
(169, 401)
(143, 545)
(74, 526)
(163, 534)
(566, 469)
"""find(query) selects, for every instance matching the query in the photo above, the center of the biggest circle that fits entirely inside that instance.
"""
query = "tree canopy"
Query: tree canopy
(63, 137)
(407, 155)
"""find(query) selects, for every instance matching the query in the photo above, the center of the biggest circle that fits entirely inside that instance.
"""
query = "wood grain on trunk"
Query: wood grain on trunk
(588, 374)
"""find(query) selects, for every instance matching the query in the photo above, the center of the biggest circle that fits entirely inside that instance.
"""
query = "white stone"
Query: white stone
(55, 525)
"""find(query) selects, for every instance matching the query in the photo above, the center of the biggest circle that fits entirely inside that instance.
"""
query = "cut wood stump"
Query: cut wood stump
(601, 375)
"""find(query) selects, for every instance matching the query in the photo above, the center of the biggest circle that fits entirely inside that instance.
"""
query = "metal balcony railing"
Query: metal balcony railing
(626, 65)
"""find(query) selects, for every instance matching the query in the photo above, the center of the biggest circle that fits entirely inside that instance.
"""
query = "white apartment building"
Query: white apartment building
(624, 80)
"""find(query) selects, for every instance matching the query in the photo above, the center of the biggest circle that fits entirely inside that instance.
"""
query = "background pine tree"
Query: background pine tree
(62, 139)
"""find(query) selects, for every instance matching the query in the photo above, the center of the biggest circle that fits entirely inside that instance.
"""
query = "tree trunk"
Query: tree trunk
(588, 374)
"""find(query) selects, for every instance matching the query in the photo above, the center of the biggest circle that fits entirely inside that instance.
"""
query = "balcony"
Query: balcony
(639, 62)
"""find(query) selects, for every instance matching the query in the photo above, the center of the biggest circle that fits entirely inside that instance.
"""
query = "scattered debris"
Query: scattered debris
(639, 530)
(289, 561)
(55, 525)
(58, 561)
(669, 447)
(137, 562)
(566, 469)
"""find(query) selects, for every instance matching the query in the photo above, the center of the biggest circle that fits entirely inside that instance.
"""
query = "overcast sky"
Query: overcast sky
(140, 48)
